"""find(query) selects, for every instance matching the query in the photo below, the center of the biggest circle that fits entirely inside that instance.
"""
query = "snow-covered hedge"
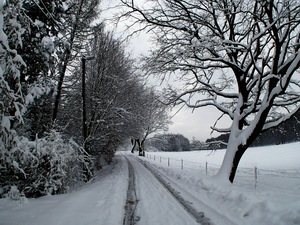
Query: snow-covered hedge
(45, 166)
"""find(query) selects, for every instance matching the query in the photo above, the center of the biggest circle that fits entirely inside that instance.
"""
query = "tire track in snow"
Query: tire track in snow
(198, 216)
(224, 218)
(131, 200)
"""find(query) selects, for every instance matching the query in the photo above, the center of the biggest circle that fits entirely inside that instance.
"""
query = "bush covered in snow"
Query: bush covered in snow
(34, 168)
(45, 166)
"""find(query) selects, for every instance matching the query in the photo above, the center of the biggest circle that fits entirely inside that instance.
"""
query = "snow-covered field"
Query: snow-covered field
(271, 199)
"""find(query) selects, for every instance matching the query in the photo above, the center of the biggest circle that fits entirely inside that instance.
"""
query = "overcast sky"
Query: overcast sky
(192, 124)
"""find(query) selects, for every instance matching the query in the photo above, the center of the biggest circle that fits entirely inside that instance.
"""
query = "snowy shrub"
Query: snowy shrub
(45, 166)
(14, 193)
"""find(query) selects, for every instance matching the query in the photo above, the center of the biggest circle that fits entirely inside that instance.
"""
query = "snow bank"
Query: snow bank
(99, 202)
(275, 199)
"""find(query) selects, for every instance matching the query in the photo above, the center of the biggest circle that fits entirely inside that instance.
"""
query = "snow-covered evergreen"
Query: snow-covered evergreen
(31, 167)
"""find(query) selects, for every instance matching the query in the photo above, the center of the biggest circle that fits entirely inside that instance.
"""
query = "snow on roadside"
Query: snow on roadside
(100, 202)
(275, 200)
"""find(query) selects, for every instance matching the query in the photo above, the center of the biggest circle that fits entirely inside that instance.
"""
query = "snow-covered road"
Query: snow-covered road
(156, 205)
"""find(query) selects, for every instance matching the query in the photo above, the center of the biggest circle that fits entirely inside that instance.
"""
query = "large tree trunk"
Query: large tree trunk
(238, 143)
(230, 162)
(235, 162)
(59, 88)
(65, 62)
(84, 120)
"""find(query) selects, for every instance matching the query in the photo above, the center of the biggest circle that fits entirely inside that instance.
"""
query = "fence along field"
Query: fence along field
(254, 177)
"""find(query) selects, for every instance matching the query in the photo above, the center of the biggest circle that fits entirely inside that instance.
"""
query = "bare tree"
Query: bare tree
(75, 33)
(240, 56)
(118, 106)
(154, 118)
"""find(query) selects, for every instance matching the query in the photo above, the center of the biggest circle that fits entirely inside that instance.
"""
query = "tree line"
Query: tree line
(168, 143)
(70, 95)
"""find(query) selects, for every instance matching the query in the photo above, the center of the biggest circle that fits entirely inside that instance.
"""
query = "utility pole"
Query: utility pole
(88, 172)
(83, 96)
(84, 125)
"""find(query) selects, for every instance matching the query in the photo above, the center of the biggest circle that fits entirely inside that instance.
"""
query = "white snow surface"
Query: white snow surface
(273, 199)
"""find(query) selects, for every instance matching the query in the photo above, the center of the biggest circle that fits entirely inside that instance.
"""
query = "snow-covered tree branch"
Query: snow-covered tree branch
(241, 57)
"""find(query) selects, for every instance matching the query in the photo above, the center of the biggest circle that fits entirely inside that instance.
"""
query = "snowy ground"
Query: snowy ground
(100, 202)
(274, 198)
